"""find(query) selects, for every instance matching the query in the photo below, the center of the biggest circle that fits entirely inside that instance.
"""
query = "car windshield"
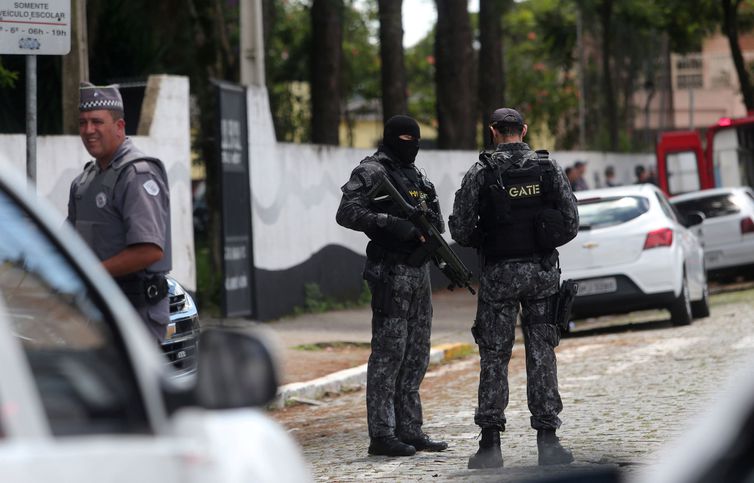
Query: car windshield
(711, 206)
(602, 212)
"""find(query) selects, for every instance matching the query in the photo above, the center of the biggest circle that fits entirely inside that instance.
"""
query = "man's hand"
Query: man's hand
(404, 230)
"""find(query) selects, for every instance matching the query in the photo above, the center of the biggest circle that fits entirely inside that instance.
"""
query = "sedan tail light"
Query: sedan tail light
(659, 238)
(747, 225)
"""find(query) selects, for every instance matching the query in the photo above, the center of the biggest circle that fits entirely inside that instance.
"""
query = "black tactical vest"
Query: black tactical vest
(419, 189)
(512, 198)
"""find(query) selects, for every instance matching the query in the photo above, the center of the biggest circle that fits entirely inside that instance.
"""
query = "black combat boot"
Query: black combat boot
(551, 452)
(424, 443)
(489, 454)
(390, 446)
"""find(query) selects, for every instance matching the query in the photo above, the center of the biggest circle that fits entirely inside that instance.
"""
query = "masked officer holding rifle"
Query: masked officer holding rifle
(516, 206)
(400, 286)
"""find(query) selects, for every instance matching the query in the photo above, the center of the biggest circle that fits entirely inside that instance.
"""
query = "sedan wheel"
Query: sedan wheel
(700, 309)
(680, 311)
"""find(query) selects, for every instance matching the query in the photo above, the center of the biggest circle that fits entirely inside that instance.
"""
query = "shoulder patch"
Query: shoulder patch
(151, 187)
(142, 167)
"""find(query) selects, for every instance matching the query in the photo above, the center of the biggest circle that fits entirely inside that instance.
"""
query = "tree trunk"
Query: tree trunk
(730, 27)
(327, 37)
(611, 112)
(75, 67)
(456, 113)
(491, 68)
(391, 54)
(215, 53)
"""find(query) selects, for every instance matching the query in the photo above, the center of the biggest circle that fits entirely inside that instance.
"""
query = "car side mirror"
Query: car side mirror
(693, 218)
(235, 370)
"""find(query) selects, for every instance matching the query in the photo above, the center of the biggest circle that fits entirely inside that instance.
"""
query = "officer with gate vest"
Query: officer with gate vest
(516, 206)
(120, 205)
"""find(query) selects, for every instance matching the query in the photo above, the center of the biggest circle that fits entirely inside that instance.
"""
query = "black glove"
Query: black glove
(404, 230)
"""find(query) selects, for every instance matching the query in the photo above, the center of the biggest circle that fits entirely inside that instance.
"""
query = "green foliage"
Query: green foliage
(361, 63)
(687, 22)
(338, 345)
(208, 284)
(315, 302)
(287, 64)
(540, 38)
(420, 74)
(361, 56)
(8, 78)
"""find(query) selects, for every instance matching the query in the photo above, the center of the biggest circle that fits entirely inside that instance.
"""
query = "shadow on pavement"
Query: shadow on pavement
(618, 328)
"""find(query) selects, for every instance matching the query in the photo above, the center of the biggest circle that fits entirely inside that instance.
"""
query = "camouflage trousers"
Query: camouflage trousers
(401, 325)
(506, 286)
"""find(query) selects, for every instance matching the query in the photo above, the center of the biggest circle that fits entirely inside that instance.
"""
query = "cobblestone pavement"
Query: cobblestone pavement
(627, 390)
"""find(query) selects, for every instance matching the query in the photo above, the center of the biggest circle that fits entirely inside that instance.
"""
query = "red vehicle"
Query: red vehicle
(726, 158)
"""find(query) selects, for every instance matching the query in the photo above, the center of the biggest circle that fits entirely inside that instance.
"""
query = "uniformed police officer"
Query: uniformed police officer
(401, 295)
(515, 206)
(120, 205)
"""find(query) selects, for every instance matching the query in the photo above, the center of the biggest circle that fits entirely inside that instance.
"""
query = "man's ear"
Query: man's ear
(121, 123)
(523, 132)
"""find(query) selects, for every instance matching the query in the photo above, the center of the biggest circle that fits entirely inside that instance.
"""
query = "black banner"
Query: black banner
(235, 188)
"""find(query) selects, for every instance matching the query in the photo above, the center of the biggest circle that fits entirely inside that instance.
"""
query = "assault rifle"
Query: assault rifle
(434, 245)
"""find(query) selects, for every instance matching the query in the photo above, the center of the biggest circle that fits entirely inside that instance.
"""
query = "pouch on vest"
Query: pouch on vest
(550, 229)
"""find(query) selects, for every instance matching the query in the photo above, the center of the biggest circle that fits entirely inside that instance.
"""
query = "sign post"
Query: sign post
(34, 28)
(233, 153)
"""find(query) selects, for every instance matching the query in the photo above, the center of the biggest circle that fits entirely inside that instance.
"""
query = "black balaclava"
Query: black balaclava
(404, 150)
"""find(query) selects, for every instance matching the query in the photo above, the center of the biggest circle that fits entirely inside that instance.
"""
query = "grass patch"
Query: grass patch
(462, 352)
(315, 302)
(732, 297)
(322, 346)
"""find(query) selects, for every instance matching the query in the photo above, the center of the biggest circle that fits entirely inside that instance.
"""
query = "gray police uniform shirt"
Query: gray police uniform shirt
(135, 209)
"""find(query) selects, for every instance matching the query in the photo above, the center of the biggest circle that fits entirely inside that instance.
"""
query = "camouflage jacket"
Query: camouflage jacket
(358, 212)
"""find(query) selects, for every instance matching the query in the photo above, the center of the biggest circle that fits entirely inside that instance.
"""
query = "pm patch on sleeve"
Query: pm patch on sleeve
(151, 187)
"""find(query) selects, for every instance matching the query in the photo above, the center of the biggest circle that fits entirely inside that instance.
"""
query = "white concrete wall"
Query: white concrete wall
(295, 188)
(61, 158)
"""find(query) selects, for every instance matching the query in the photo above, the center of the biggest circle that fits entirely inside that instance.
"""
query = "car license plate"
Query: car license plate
(597, 286)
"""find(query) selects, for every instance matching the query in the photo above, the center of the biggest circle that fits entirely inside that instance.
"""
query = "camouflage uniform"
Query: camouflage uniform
(506, 283)
(401, 298)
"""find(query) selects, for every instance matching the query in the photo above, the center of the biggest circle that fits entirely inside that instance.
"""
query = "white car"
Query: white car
(727, 232)
(633, 253)
(85, 392)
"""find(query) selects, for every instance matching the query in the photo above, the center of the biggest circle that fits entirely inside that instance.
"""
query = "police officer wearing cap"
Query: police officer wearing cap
(515, 206)
(120, 205)
(401, 294)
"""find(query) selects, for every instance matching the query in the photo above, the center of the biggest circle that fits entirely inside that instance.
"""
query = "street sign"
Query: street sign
(35, 28)
(235, 187)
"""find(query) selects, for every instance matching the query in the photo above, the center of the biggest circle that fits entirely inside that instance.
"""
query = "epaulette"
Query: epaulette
(543, 154)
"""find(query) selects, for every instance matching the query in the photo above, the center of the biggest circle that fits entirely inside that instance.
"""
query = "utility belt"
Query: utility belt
(144, 291)
(376, 253)
(548, 260)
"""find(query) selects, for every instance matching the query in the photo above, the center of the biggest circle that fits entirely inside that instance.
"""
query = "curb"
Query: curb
(354, 378)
